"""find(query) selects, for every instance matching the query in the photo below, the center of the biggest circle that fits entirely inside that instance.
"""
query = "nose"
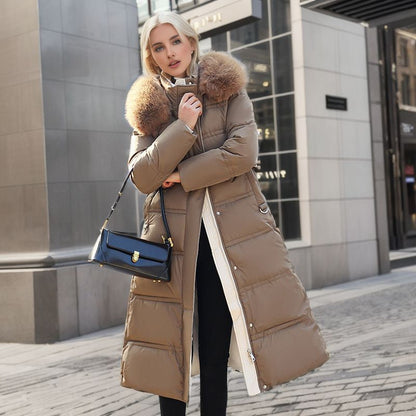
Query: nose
(169, 51)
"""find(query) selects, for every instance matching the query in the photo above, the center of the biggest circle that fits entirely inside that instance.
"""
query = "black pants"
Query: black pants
(214, 326)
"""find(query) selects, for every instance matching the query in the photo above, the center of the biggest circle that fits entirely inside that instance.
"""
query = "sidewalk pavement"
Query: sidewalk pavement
(369, 325)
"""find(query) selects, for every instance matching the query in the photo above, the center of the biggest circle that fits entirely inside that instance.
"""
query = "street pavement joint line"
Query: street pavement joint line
(370, 335)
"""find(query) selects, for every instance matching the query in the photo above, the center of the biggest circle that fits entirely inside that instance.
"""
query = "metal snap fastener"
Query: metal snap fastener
(235, 267)
(135, 257)
(218, 213)
(251, 325)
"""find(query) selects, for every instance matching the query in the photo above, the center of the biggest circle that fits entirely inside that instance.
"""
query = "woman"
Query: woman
(195, 135)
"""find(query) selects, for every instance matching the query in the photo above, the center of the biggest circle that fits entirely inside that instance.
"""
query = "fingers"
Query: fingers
(191, 100)
(190, 108)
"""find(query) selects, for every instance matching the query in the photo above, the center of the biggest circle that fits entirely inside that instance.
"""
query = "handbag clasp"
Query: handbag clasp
(135, 256)
(169, 240)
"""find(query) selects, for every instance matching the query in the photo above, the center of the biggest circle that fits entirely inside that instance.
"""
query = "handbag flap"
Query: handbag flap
(129, 244)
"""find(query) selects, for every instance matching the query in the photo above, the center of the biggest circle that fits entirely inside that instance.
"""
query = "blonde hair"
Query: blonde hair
(182, 27)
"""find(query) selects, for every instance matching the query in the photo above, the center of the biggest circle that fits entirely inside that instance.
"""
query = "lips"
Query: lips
(174, 64)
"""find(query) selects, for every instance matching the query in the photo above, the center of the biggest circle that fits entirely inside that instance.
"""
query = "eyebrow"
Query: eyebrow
(161, 43)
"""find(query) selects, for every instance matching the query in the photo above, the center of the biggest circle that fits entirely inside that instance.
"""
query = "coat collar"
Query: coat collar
(149, 101)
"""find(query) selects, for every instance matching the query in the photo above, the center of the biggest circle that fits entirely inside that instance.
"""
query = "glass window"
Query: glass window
(290, 220)
(184, 4)
(257, 60)
(288, 174)
(267, 176)
(413, 92)
(283, 65)
(280, 16)
(274, 209)
(403, 56)
(143, 10)
(263, 113)
(252, 32)
(159, 5)
(405, 89)
(286, 132)
(406, 64)
(219, 42)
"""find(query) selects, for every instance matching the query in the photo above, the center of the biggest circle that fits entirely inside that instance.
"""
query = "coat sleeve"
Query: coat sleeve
(155, 159)
(236, 156)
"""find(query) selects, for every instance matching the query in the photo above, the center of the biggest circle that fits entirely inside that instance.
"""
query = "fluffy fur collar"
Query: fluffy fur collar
(148, 107)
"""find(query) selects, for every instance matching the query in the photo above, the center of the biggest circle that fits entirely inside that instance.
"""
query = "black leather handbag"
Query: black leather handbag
(132, 255)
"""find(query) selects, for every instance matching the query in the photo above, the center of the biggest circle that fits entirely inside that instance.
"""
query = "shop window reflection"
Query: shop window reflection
(281, 16)
(403, 57)
(286, 130)
(405, 89)
(274, 209)
(410, 175)
(257, 60)
(219, 42)
(267, 175)
(252, 32)
(184, 4)
(290, 220)
(406, 66)
(283, 66)
(159, 6)
(289, 182)
(143, 10)
(263, 112)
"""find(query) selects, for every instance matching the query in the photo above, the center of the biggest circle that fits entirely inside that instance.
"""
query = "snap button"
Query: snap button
(265, 387)
(235, 267)
(218, 213)
(251, 325)
(264, 208)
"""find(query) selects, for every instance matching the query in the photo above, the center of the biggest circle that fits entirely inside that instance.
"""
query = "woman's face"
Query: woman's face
(171, 52)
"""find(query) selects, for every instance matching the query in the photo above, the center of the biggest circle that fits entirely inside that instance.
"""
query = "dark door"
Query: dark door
(398, 53)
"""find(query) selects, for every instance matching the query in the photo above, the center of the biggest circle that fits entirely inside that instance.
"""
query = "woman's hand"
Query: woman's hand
(171, 180)
(190, 108)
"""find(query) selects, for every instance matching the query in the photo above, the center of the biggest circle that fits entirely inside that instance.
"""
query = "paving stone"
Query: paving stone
(363, 404)
(376, 410)
(345, 413)
(328, 395)
(366, 383)
(365, 374)
(319, 411)
(340, 380)
(405, 406)
(404, 398)
(312, 404)
(404, 377)
(411, 390)
(346, 399)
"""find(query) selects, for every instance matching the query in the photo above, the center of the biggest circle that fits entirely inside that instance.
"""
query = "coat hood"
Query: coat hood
(219, 77)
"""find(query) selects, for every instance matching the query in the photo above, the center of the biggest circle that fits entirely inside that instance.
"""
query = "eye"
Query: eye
(177, 41)
(158, 48)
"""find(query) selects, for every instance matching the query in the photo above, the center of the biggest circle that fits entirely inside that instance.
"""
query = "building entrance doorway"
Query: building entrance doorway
(398, 54)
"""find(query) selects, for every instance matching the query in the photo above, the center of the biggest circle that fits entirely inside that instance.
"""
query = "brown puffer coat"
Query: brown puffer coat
(276, 337)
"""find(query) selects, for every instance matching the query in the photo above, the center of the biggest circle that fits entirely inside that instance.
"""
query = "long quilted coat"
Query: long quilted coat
(275, 337)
